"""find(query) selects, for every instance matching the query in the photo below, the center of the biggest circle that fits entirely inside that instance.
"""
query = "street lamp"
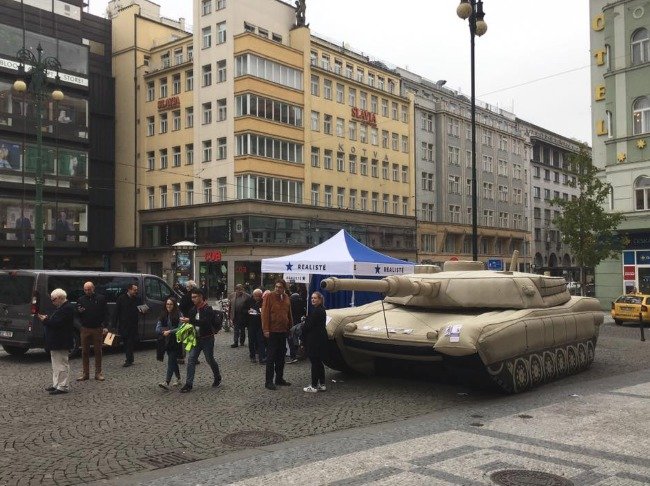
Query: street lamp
(473, 11)
(38, 70)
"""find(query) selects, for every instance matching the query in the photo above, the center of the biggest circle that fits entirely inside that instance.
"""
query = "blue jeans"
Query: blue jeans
(205, 344)
(172, 365)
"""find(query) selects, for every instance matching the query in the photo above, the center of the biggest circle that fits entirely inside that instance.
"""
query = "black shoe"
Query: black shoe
(235, 345)
(270, 386)
(127, 364)
(50, 389)
(216, 383)
(282, 383)
(262, 361)
(56, 391)
(186, 389)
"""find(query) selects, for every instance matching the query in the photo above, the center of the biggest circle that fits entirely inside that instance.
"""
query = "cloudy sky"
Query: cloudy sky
(533, 60)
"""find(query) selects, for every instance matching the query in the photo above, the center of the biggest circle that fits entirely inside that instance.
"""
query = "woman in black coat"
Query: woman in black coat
(166, 328)
(314, 336)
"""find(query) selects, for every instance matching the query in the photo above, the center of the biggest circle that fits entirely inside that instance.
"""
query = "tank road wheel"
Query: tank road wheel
(582, 356)
(549, 365)
(521, 375)
(560, 360)
(590, 353)
(501, 376)
(536, 370)
(572, 360)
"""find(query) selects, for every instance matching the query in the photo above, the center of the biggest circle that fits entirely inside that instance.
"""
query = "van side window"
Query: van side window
(73, 285)
(152, 289)
(16, 289)
(113, 287)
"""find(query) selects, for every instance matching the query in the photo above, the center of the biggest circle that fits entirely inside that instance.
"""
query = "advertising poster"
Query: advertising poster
(72, 163)
(10, 155)
(22, 220)
(47, 154)
(183, 266)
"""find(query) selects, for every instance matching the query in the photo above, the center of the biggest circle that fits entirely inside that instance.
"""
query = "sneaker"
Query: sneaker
(234, 345)
(321, 388)
(50, 389)
(270, 386)
(310, 389)
(177, 382)
(282, 383)
(186, 389)
(99, 376)
(292, 360)
(82, 378)
(127, 364)
(216, 383)
(57, 391)
(163, 385)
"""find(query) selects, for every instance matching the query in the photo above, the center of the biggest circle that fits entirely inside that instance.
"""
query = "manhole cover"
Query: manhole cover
(168, 459)
(252, 438)
(521, 477)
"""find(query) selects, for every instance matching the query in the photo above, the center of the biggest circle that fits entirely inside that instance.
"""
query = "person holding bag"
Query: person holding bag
(166, 327)
(314, 335)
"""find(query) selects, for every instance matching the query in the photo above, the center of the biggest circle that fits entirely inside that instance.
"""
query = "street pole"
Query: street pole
(39, 68)
(473, 11)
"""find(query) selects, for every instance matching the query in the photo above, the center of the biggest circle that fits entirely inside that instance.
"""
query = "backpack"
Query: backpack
(217, 320)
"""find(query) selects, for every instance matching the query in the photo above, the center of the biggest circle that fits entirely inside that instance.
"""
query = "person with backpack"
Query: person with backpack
(207, 323)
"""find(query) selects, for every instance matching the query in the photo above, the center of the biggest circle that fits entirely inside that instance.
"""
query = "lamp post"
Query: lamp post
(38, 70)
(473, 11)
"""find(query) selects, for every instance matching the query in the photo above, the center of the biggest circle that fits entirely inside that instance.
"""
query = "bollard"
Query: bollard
(641, 326)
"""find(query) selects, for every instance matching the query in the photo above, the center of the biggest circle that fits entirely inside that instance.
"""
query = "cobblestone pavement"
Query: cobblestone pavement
(128, 425)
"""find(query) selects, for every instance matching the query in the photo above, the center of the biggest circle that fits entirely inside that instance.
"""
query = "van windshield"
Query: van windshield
(16, 289)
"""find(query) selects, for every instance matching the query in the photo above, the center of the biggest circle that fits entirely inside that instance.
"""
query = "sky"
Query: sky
(533, 61)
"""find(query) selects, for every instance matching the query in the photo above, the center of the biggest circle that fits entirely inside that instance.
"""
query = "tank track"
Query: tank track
(516, 375)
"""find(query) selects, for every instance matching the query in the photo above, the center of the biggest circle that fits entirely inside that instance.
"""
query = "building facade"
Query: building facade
(620, 70)
(78, 137)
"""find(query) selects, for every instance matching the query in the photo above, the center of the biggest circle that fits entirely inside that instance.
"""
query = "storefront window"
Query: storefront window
(248, 274)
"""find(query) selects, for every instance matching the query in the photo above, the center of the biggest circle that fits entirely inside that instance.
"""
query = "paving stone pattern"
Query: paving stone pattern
(128, 425)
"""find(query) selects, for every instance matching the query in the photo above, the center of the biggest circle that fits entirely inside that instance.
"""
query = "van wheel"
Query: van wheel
(76, 345)
(618, 322)
(14, 350)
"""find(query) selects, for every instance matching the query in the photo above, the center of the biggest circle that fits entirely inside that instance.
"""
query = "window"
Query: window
(189, 80)
(488, 218)
(363, 133)
(454, 184)
(363, 166)
(642, 193)
(254, 105)
(315, 157)
(222, 112)
(315, 85)
(374, 168)
(360, 74)
(454, 214)
(395, 141)
(315, 192)
(176, 195)
(385, 199)
(340, 93)
(427, 212)
(340, 161)
(427, 122)
(340, 127)
(364, 200)
(151, 91)
(453, 156)
(487, 190)
(189, 193)
(352, 97)
(487, 138)
(222, 148)
(352, 130)
(151, 129)
(206, 7)
(207, 191)
(384, 138)
(327, 160)
(396, 172)
(163, 159)
(189, 117)
(353, 199)
(453, 127)
(176, 156)
(268, 147)
(207, 150)
(363, 100)
(163, 88)
(374, 103)
(163, 196)
(207, 37)
(221, 32)
(374, 202)
(176, 84)
(641, 115)
(207, 113)
(427, 181)
(222, 189)
(503, 193)
(206, 75)
(189, 154)
(487, 164)
(163, 123)
(405, 113)
(328, 196)
(221, 71)
(151, 160)
(640, 46)
(374, 136)
(315, 121)
(176, 120)
(221, 4)
(427, 151)
(352, 164)
(384, 107)
(405, 173)
(405, 144)
(327, 89)
(327, 124)
(394, 110)
(151, 194)
(384, 170)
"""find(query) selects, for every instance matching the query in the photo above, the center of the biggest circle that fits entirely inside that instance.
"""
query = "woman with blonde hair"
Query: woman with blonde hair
(314, 336)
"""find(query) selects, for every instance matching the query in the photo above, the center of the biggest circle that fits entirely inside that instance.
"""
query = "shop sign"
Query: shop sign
(212, 256)
(169, 103)
(364, 116)
(643, 257)
(629, 273)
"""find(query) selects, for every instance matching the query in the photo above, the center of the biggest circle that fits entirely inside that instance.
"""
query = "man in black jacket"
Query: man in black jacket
(59, 329)
(125, 320)
(93, 313)
(207, 323)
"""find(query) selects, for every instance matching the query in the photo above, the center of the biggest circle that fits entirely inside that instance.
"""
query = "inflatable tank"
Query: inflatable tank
(516, 330)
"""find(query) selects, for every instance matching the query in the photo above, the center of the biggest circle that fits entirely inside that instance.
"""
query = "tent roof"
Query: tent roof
(339, 255)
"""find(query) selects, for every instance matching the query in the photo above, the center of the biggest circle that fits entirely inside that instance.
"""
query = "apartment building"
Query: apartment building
(620, 106)
(77, 137)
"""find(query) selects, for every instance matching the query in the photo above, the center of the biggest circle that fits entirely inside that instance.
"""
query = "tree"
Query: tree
(588, 229)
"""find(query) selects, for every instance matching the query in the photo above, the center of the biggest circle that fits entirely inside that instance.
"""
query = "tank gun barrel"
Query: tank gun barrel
(393, 286)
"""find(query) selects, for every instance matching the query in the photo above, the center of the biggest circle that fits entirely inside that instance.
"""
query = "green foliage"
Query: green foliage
(585, 225)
